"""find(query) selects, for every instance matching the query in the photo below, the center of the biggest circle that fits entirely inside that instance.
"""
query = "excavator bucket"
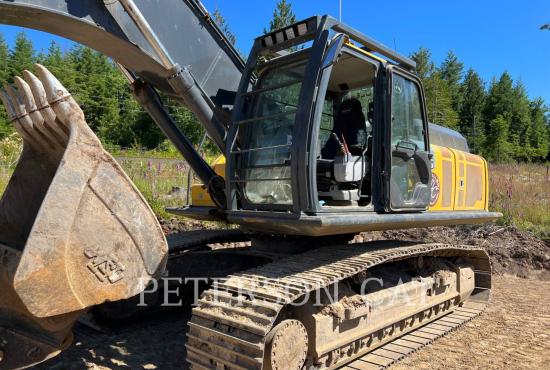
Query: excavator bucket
(74, 230)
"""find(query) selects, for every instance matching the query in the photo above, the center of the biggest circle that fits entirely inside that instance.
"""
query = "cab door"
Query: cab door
(408, 168)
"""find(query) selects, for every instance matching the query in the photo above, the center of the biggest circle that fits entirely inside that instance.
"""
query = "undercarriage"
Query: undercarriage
(327, 306)
(371, 303)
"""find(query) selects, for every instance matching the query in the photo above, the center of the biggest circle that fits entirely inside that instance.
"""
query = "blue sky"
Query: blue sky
(488, 35)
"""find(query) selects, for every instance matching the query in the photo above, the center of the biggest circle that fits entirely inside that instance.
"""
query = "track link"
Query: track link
(397, 349)
(230, 326)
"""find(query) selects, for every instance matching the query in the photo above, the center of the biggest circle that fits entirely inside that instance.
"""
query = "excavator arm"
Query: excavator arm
(74, 230)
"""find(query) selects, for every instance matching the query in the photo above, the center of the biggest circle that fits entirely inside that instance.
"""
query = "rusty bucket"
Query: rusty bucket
(74, 230)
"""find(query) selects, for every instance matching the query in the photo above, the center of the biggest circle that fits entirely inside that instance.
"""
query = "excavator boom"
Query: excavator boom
(188, 35)
(172, 46)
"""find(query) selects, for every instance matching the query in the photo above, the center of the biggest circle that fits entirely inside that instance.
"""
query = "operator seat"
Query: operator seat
(350, 124)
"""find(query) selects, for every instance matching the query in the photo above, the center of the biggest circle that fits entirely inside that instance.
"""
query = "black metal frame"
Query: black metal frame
(144, 44)
(387, 153)
(303, 162)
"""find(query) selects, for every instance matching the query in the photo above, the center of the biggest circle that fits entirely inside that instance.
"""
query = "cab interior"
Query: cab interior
(344, 158)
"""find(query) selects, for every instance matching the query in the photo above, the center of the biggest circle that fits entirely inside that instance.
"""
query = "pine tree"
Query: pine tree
(438, 97)
(222, 23)
(498, 148)
(439, 102)
(471, 119)
(92, 86)
(502, 123)
(452, 71)
(283, 16)
(499, 100)
(424, 65)
(21, 57)
(498, 104)
(55, 61)
(4, 55)
(5, 127)
(520, 124)
(539, 139)
(131, 126)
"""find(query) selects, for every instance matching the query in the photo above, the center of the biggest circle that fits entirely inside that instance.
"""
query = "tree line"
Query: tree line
(498, 118)
(101, 90)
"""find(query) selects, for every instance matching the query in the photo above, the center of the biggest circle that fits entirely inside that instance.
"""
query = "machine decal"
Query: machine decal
(436, 189)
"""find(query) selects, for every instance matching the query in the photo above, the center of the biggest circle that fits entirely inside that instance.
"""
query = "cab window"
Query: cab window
(407, 120)
(410, 165)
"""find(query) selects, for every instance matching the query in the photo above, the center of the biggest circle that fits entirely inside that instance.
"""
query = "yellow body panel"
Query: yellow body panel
(443, 179)
(199, 194)
(459, 181)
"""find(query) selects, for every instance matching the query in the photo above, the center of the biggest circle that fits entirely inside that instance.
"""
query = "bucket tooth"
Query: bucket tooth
(38, 132)
(53, 132)
(6, 100)
(74, 230)
(65, 107)
(23, 127)
(41, 101)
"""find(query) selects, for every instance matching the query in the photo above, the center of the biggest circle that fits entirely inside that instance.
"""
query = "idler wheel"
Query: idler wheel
(287, 346)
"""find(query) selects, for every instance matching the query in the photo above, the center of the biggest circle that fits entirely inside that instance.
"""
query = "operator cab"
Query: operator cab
(329, 135)
(355, 93)
(328, 128)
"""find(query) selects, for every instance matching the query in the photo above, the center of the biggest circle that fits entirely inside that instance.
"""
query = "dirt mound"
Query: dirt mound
(512, 251)
(175, 225)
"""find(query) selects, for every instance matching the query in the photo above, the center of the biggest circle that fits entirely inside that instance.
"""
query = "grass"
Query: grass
(163, 182)
(169, 152)
(10, 149)
(160, 176)
(5, 174)
(520, 191)
(164, 151)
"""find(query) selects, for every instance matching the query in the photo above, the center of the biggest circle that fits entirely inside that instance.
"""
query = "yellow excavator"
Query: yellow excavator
(324, 134)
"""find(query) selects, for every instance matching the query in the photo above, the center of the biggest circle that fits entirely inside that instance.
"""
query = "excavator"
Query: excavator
(325, 135)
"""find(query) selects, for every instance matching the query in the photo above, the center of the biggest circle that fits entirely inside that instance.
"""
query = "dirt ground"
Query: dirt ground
(513, 334)
(514, 252)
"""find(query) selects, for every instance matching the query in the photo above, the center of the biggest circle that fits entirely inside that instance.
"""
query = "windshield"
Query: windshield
(267, 135)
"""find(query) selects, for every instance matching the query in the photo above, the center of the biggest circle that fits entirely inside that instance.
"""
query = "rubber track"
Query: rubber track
(228, 329)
